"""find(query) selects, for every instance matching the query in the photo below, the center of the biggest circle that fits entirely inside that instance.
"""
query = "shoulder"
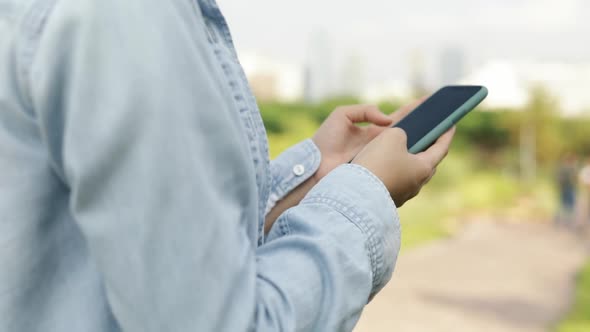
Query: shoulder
(132, 26)
(109, 16)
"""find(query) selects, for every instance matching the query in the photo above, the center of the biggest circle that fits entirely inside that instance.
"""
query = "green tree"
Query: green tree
(542, 115)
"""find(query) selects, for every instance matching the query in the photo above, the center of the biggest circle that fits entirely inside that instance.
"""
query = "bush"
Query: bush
(484, 130)
(321, 111)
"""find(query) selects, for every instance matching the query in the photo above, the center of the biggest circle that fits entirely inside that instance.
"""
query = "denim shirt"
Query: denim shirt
(135, 178)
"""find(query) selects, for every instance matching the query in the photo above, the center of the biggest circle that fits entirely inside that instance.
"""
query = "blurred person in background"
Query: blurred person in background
(566, 182)
(585, 181)
(136, 192)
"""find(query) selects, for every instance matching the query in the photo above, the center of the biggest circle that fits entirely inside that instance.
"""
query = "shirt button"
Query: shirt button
(298, 170)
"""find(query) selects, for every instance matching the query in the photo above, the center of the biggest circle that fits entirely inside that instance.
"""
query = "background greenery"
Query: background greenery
(482, 175)
(578, 320)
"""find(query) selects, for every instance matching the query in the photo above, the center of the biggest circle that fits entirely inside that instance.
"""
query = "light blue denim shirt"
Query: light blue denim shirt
(134, 182)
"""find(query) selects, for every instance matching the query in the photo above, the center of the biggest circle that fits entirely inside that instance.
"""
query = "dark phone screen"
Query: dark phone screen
(434, 110)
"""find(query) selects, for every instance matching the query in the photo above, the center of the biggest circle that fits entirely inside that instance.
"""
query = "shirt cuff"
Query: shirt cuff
(291, 168)
(362, 198)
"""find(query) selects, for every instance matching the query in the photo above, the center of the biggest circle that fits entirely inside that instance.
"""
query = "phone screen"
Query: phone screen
(434, 110)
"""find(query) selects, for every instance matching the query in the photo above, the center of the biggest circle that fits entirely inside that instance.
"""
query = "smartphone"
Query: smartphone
(437, 114)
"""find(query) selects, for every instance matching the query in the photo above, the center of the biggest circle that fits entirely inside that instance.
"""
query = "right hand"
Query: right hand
(403, 173)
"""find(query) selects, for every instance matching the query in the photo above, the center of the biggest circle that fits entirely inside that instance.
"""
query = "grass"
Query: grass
(464, 185)
(461, 186)
(421, 225)
(578, 320)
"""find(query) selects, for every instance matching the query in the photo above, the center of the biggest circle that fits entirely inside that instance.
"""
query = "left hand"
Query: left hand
(339, 138)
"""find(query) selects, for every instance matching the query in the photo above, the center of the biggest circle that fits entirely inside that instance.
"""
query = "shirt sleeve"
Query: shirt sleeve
(140, 132)
(291, 168)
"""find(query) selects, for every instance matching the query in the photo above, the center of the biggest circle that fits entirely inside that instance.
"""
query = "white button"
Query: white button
(299, 169)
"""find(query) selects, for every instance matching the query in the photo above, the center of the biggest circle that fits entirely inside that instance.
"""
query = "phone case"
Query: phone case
(435, 133)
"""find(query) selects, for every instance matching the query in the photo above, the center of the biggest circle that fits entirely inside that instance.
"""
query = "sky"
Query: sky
(386, 34)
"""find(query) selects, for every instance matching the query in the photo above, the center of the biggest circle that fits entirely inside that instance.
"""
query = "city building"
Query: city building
(452, 66)
(319, 70)
(272, 79)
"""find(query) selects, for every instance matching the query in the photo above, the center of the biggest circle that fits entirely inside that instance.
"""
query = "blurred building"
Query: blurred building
(452, 66)
(319, 80)
(569, 82)
(272, 79)
(351, 80)
(264, 85)
(417, 65)
(506, 88)
(509, 83)
(394, 89)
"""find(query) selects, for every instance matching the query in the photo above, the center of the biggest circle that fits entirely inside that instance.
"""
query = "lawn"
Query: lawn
(578, 320)
(471, 182)
(461, 187)
(461, 191)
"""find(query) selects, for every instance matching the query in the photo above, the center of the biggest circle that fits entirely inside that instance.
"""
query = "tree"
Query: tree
(539, 133)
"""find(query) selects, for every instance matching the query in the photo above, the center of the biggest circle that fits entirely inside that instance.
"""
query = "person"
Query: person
(136, 191)
(566, 182)
(585, 182)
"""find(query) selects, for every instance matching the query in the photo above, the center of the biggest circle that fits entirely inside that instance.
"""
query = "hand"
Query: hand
(403, 173)
(339, 138)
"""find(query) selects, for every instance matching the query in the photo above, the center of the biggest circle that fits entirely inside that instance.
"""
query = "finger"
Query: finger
(437, 152)
(396, 116)
(406, 109)
(378, 127)
(367, 113)
(378, 118)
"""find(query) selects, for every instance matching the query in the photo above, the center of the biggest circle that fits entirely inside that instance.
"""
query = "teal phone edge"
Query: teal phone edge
(451, 120)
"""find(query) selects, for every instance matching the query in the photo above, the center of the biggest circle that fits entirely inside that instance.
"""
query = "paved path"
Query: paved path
(490, 277)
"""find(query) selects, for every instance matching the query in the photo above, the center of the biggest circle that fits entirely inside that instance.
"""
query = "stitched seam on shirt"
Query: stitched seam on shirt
(284, 223)
(373, 178)
(276, 181)
(291, 182)
(283, 185)
(380, 259)
(312, 149)
(377, 246)
(362, 224)
(254, 115)
(253, 136)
